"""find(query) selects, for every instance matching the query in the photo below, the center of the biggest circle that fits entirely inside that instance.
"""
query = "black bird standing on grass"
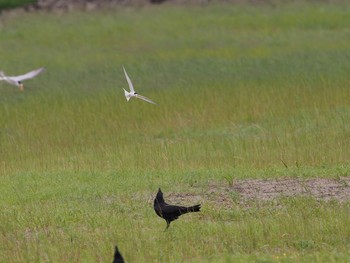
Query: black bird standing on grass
(118, 258)
(171, 212)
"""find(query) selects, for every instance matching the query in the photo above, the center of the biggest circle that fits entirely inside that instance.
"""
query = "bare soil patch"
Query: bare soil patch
(257, 190)
(319, 188)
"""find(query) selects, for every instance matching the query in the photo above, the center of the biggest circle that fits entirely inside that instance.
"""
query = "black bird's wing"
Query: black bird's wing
(180, 209)
(173, 211)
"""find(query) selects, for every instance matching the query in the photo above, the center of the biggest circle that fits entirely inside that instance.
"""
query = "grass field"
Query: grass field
(242, 92)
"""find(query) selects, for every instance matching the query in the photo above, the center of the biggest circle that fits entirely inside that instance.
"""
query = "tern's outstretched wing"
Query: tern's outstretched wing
(2, 75)
(28, 75)
(144, 98)
(129, 81)
(7, 79)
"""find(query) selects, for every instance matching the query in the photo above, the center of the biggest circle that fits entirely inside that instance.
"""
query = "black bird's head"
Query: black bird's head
(159, 196)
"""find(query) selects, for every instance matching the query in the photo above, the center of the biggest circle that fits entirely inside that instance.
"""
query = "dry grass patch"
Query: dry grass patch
(265, 190)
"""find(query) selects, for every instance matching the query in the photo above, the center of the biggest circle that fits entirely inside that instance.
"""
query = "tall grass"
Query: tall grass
(242, 91)
(235, 86)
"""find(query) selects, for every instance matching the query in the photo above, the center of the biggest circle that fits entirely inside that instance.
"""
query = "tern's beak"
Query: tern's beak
(21, 87)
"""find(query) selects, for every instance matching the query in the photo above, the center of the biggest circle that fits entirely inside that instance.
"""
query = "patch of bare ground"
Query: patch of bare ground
(244, 192)
(319, 188)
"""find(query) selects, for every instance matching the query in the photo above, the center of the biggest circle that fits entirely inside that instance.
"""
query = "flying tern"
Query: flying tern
(132, 93)
(17, 80)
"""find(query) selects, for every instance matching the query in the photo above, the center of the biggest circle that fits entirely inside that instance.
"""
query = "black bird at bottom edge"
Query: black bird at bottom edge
(118, 258)
(171, 212)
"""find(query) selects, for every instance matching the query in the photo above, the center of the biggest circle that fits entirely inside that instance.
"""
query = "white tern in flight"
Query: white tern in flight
(17, 80)
(132, 93)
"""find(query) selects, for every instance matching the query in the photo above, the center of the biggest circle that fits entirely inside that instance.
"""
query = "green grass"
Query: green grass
(240, 91)
(7, 4)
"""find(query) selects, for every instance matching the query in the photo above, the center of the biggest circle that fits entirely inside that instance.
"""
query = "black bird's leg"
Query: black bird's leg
(167, 225)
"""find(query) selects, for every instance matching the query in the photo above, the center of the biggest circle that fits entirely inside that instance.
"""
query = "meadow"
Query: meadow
(242, 91)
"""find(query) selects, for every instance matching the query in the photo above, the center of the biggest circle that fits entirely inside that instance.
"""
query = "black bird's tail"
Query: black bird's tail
(195, 208)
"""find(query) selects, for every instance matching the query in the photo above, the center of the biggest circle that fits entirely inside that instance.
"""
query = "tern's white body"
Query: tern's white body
(128, 95)
(17, 80)
(132, 93)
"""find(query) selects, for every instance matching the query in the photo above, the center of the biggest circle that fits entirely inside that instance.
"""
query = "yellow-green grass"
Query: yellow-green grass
(242, 92)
